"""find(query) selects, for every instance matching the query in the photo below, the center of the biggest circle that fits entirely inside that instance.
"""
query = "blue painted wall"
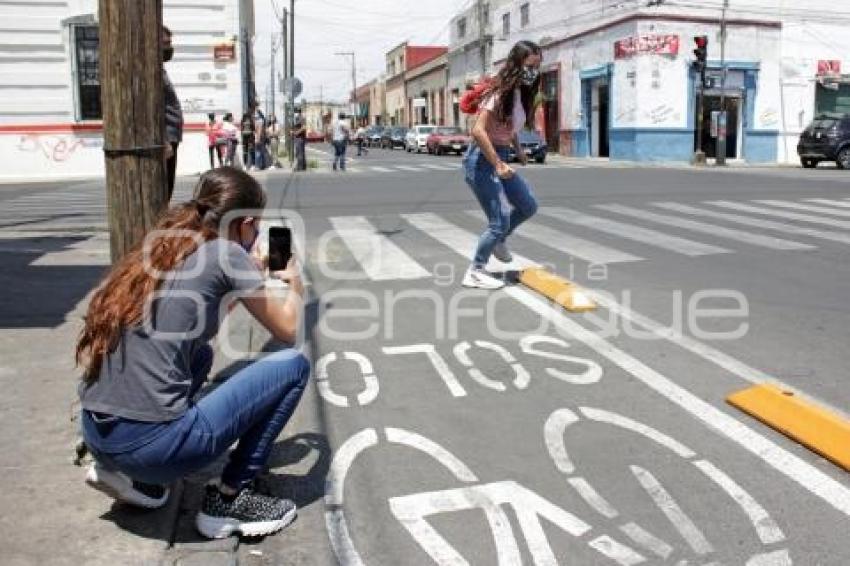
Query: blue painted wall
(761, 146)
(652, 144)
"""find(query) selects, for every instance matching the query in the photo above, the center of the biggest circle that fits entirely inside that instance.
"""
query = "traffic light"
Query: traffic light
(701, 54)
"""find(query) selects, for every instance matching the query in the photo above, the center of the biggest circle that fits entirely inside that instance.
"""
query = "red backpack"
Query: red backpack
(471, 99)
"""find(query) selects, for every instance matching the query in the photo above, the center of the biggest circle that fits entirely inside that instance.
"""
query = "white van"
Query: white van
(417, 136)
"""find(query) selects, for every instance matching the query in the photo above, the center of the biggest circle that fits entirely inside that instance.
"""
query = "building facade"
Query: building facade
(50, 111)
(399, 60)
(362, 102)
(426, 92)
(619, 80)
(378, 101)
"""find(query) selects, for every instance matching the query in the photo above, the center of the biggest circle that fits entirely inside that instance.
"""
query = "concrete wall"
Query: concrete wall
(40, 133)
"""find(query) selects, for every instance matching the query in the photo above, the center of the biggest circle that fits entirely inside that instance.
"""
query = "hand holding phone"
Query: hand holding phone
(280, 248)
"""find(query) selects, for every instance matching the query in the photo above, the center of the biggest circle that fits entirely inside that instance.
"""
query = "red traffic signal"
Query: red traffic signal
(701, 41)
(701, 52)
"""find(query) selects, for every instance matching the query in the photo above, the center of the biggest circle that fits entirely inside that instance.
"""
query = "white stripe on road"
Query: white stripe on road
(647, 540)
(409, 168)
(829, 202)
(783, 461)
(572, 245)
(380, 258)
(458, 239)
(592, 497)
(756, 222)
(632, 232)
(381, 169)
(440, 167)
(806, 207)
(718, 231)
(780, 213)
(674, 513)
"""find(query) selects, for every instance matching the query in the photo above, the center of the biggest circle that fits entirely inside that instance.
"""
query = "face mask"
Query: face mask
(529, 75)
(167, 54)
(250, 245)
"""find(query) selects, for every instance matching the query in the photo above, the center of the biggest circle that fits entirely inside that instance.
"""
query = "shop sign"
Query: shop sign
(646, 44)
(826, 67)
(224, 52)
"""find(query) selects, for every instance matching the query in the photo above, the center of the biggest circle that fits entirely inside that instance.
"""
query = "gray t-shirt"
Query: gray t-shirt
(148, 377)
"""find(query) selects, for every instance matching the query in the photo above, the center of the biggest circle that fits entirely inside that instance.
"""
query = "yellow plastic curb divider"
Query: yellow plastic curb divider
(556, 288)
(816, 428)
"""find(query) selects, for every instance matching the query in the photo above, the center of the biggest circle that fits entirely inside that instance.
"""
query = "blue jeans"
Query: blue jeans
(339, 154)
(252, 407)
(488, 188)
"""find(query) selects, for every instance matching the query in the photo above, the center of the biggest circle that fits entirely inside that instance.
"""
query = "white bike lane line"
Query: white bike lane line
(815, 481)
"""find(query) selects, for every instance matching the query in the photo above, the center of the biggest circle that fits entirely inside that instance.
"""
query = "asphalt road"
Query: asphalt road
(452, 426)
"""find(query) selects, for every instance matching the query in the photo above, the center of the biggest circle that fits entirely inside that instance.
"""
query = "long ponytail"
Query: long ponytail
(118, 303)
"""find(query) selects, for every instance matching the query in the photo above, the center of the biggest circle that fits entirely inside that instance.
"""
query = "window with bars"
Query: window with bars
(506, 24)
(86, 57)
(461, 28)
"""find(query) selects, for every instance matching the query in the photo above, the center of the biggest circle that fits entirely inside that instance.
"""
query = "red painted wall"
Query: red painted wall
(415, 56)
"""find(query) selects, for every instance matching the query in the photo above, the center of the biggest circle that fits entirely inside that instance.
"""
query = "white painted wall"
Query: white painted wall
(37, 90)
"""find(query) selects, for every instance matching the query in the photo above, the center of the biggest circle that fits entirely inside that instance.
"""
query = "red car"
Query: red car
(315, 137)
(447, 139)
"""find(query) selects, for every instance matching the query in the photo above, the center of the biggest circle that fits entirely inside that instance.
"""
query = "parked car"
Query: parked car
(826, 139)
(417, 137)
(314, 136)
(533, 144)
(393, 137)
(374, 137)
(447, 139)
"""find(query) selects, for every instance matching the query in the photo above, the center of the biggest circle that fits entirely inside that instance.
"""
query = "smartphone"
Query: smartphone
(280, 247)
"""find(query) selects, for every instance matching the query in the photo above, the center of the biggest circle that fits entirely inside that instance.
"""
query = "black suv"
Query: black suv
(826, 139)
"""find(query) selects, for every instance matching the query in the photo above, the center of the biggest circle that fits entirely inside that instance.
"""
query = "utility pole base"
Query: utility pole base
(698, 159)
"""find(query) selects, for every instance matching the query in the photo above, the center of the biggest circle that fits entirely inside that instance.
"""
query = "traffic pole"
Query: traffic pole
(723, 118)
(131, 78)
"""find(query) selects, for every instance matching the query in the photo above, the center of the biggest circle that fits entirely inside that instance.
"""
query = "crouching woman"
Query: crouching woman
(145, 354)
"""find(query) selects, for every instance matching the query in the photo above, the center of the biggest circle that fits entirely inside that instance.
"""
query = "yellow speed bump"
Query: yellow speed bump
(816, 428)
(556, 288)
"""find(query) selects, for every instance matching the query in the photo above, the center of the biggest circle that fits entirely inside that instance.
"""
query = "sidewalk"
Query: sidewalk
(50, 515)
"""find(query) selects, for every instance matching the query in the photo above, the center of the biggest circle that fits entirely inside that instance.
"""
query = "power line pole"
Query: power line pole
(482, 45)
(353, 78)
(723, 118)
(284, 34)
(131, 78)
(292, 75)
(271, 74)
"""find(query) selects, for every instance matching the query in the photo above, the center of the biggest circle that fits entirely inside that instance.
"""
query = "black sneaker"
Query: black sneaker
(121, 487)
(248, 513)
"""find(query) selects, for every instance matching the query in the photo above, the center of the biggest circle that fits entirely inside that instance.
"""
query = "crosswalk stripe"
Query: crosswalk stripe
(409, 168)
(806, 207)
(829, 202)
(741, 207)
(381, 169)
(756, 222)
(719, 231)
(572, 245)
(380, 258)
(440, 167)
(457, 239)
(632, 232)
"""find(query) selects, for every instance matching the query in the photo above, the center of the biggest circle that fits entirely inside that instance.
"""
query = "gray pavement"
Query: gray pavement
(456, 427)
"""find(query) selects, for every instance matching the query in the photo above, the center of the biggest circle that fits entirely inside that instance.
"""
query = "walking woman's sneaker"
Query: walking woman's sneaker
(119, 486)
(477, 278)
(247, 512)
(502, 253)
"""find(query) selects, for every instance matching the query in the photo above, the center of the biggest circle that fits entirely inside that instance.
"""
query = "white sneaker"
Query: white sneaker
(119, 486)
(477, 278)
(502, 253)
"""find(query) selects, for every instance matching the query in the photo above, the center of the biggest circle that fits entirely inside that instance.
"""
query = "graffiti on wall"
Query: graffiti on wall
(56, 148)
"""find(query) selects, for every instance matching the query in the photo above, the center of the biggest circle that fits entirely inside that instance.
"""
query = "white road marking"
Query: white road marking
(380, 169)
(757, 222)
(806, 207)
(717, 231)
(617, 552)
(443, 369)
(674, 513)
(591, 375)
(369, 394)
(592, 497)
(776, 558)
(572, 245)
(844, 224)
(437, 452)
(653, 434)
(830, 202)
(409, 168)
(632, 232)
(380, 258)
(766, 528)
(647, 540)
(440, 167)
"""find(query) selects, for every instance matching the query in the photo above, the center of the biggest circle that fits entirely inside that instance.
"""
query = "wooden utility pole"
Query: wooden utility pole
(133, 118)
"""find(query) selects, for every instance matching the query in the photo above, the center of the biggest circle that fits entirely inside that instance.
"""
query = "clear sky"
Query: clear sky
(370, 28)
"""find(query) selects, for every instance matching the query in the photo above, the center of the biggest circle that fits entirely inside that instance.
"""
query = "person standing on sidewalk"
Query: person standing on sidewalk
(231, 134)
(173, 115)
(299, 134)
(247, 129)
(260, 140)
(215, 139)
(273, 135)
(341, 133)
(360, 138)
(145, 354)
(506, 107)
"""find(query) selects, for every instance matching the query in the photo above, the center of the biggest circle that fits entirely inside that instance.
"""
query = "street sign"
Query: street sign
(291, 87)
